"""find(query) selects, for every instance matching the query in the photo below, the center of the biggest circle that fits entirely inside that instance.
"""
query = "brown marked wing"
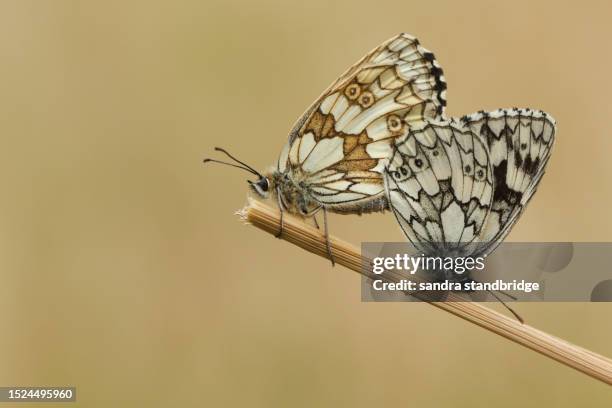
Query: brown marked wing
(339, 145)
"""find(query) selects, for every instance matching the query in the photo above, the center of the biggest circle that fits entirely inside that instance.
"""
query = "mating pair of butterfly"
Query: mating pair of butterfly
(378, 139)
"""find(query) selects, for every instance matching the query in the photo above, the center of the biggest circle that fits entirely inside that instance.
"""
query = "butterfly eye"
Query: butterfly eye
(479, 174)
(261, 186)
(468, 168)
(404, 170)
(352, 91)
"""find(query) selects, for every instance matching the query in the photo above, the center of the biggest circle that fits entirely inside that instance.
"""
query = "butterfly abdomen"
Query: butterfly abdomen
(378, 204)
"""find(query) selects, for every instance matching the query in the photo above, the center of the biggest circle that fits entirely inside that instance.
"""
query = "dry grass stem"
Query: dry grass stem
(309, 238)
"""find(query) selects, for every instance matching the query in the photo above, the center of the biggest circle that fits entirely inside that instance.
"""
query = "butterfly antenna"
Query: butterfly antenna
(237, 161)
(233, 165)
(519, 318)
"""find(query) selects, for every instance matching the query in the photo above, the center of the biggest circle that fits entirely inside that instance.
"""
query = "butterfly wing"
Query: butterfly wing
(439, 185)
(338, 145)
(520, 143)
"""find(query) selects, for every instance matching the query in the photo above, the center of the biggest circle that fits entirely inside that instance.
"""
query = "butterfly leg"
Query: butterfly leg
(519, 318)
(327, 243)
(279, 234)
(316, 223)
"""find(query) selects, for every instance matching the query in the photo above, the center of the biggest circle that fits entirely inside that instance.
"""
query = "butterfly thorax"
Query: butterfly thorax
(294, 193)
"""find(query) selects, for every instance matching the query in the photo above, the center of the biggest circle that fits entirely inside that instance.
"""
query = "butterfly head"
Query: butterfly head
(293, 193)
(262, 186)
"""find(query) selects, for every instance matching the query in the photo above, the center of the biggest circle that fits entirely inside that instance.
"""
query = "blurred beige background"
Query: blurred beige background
(125, 273)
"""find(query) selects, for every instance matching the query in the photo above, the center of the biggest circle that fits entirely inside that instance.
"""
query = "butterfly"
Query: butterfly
(378, 139)
(336, 153)
(458, 186)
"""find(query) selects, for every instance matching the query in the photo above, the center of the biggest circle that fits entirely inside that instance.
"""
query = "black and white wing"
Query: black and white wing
(439, 185)
(519, 143)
